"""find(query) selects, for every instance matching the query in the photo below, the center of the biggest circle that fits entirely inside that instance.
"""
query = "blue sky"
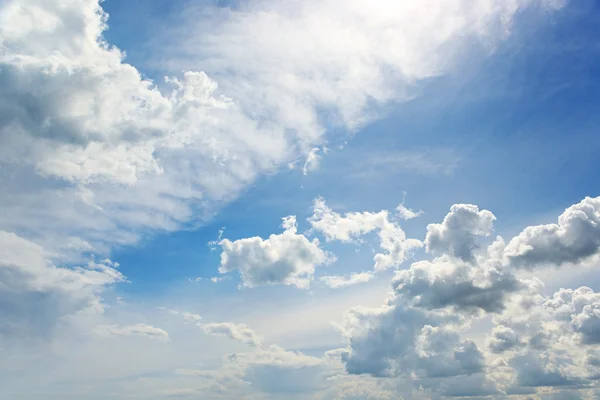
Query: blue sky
(439, 159)
(501, 133)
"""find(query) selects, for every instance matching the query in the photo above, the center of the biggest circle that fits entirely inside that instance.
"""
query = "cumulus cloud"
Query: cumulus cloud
(73, 109)
(240, 332)
(419, 331)
(574, 238)
(457, 234)
(138, 330)
(444, 282)
(337, 282)
(581, 307)
(399, 340)
(502, 339)
(433, 345)
(353, 225)
(288, 258)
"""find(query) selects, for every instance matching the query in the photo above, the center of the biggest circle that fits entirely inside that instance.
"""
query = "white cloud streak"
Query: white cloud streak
(138, 330)
(240, 332)
(338, 282)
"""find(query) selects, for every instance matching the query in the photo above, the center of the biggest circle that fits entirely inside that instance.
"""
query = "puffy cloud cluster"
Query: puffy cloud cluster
(288, 258)
(426, 340)
(503, 338)
(399, 340)
(457, 234)
(550, 341)
(352, 226)
(447, 282)
(534, 342)
(574, 238)
(422, 330)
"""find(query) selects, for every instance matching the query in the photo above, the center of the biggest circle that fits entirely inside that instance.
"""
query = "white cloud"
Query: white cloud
(444, 282)
(337, 282)
(312, 161)
(92, 152)
(74, 118)
(419, 343)
(36, 296)
(110, 155)
(187, 316)
(401, 341)
(406, 213)
(240, 332)
(574, 238)
(213, 243)
(353, 225)
(288, 258)
(457, 234)
(502, 339)
(310, 61)
(138, 330)
(536, 341)
(432, 345)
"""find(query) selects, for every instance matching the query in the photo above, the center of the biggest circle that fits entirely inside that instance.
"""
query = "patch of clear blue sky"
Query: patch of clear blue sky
(522, 123)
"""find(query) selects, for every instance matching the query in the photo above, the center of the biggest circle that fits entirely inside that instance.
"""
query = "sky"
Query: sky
(300, 199)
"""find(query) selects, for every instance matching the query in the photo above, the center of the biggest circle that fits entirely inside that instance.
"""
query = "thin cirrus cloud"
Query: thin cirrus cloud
(137, 330)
